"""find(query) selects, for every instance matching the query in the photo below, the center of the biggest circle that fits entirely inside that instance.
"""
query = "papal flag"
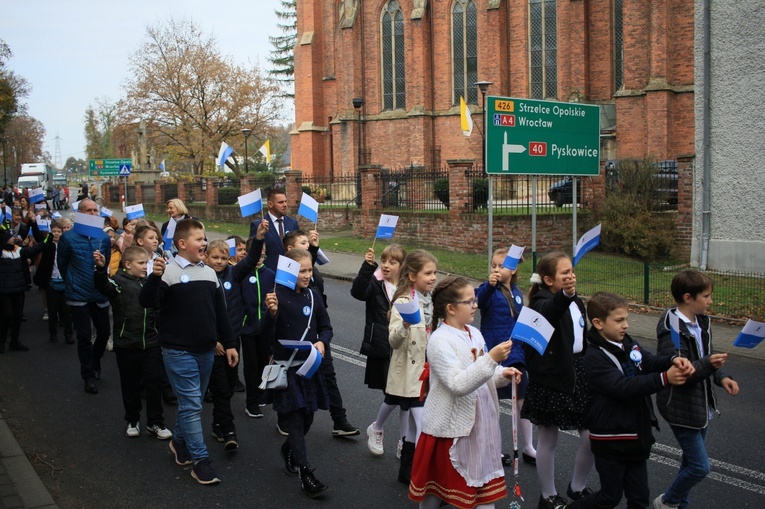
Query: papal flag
(466, 119)
(266, 150)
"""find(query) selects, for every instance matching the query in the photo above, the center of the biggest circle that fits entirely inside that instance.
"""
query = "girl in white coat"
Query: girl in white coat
(457, 459)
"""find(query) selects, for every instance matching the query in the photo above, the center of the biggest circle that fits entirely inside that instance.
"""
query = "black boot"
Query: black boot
(310, 484)
(405, 469)
(289, 460)
(18, 346)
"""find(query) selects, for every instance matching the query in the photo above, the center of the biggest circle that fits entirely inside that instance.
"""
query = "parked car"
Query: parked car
(561, 191)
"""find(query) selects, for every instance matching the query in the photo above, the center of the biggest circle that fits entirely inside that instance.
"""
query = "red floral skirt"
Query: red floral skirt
(434, 474)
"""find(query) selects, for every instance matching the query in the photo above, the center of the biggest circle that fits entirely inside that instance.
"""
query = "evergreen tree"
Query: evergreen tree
(283, 52)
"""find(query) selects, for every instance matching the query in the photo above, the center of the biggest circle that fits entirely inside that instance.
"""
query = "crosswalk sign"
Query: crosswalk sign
(124, 170)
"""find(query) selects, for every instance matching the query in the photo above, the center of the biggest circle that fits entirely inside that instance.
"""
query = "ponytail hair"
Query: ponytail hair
(547, 267)
(446, 292)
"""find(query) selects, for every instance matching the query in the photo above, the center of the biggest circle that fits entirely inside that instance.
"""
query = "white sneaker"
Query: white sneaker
(109, 345)
(160, 432)
(133, 429)
(658, 503)
(45, 317)
(375, 440)
(399, 446)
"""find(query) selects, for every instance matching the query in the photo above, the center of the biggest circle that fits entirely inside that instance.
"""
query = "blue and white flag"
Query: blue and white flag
(674, 329)
(167, 238)
(36, 195)
(162, 165)
(56, 215)
(231, 247)
(43, 224)
(8, 213)
(76, 205)
(309, 208)
(513, 258)
(106, 212)
(321, 258)
(287, 271)
(386, 226)
(751, 335)
(251, 203)
(41, 206)
(409, 311)
(224, 153)
(586, 243)
(311, 365)
(89, 226)
(134, 212)
(533, 329)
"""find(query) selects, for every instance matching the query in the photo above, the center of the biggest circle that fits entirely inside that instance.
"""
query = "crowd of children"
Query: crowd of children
(443, 375)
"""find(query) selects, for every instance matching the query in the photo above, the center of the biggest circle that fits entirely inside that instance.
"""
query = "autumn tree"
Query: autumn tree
(193, 97)
(100, 124)
(283, 53)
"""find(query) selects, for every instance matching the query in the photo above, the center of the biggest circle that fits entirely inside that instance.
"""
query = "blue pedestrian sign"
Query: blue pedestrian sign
(124, 170)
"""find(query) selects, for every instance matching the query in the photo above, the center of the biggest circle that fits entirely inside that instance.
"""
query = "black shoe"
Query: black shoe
(18, 346)
(90, 386)
(343, 428)
(507, 460)
(181, 453)
(310, 484)
(254, 411)
(239, 387)
(578, 495)
(553, 502)
(69, 340)
(228, 438)
(203, 472)
(529, 460)
(169, 397)
(289, 460)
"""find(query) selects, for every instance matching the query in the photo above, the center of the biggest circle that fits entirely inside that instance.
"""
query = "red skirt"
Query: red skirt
(434, 474)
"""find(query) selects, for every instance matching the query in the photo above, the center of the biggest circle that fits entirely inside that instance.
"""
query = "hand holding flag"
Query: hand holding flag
(586, 243)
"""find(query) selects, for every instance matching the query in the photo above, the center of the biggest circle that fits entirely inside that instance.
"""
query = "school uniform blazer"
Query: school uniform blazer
(408, 357)
(272, 240)
(555, 368)
(369, 286)
(454, 378)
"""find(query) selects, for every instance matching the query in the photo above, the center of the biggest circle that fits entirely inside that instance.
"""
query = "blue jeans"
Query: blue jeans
(189, 374)
(694, 465)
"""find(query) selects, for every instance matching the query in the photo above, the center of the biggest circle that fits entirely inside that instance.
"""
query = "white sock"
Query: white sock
(415, 424)
(525, 430)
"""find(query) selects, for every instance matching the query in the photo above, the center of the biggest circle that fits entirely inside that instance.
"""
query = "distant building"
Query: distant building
(736, 119)
(410, 61)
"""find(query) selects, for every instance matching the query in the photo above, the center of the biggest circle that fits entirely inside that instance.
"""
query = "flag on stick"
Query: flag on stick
(167, 238)
(251, 203)
(36, 195)
(513, 258)
(674, 329)
(466, 119)
(162, 165)
(287, 271)
(409, 311)
(224, 153)
(134, 212)
(105, 212)
(751, 335)
(231, 247)
(386, 227)
(586, 243)
(266, 150)
(89, 226)
(532, 328)
(309, 208)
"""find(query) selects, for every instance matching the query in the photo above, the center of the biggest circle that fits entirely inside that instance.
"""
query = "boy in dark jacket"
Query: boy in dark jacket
(229, 277)
(689, 408)
(136, 342)
(619, 414)
(49, 279)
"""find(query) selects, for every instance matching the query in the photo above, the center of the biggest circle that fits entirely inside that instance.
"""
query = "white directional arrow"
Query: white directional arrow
(508, 149)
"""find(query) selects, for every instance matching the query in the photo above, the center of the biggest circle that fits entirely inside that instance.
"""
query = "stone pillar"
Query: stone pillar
(159, 193)
(246, 185)
(122, 190)
(293, 187)
(138, 193)
(370, 200)
(684, 220)
(211, 195)
(183, 192)
(459, 187)
(104, 192)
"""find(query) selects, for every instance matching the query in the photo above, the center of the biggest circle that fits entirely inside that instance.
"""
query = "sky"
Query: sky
(73, 52)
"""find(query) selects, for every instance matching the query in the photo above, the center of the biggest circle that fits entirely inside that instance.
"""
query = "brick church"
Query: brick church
(379, 82)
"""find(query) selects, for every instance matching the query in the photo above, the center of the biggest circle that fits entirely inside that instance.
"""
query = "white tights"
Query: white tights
(384, 413)
(526, 434)
(547, 441)
(433, 502)
(415, 424)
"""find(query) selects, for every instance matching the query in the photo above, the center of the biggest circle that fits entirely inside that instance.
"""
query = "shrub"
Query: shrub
(228, 195)
(480, 193)
(441, 187)
(307, 190)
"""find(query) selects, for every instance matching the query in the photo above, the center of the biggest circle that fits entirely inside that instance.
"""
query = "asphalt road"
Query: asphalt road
(76, 441)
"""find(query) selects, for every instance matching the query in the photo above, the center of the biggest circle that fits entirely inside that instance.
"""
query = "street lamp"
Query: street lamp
(483, 86)
(358, 103)
(246, 133)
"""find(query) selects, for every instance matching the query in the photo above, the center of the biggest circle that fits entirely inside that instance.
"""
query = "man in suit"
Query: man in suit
(280, 223)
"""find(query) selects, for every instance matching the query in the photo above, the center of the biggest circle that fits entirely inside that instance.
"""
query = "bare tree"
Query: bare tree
(193, 97)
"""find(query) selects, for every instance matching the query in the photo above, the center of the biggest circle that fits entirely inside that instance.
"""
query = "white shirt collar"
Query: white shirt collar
(183, 262)
(273, 218)
(688, 321)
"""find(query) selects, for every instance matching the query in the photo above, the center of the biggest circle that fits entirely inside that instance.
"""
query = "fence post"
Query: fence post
(646, 281)
(459, 194)
(293, 186)
(159, 197)
(212, 192)
(183, 194)
(138, 193)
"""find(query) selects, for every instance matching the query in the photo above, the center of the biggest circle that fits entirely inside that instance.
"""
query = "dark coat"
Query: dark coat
(230, 279)
(619, 413)
(134, 325)
(370, 288)
(292, 318)
(75, 262)
(555, 368)
(498, 319)
(686, 405)
(12, 269)
(255, 286)
(273, 242)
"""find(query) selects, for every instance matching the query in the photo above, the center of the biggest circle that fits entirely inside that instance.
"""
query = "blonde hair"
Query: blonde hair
(218, 244)
(179, 206)
(394, 252)
(413, 264)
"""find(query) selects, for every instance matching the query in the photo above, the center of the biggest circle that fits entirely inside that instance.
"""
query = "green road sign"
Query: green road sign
(529, 137)
(109, 167)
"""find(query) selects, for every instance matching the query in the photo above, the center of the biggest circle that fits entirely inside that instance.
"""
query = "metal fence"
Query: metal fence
(736, 294)
(414, 188)
(340, 191)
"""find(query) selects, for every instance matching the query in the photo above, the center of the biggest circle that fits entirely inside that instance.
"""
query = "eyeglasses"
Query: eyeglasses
(470, 302)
